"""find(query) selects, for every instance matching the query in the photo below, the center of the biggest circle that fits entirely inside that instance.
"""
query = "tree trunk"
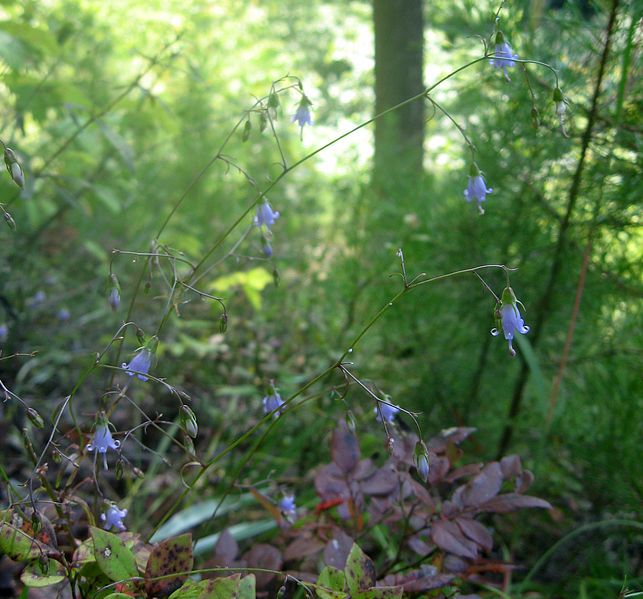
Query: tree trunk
(399, 44)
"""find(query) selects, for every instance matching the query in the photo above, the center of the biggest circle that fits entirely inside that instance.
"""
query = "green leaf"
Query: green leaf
(232, 587)
(169, 557)
(115, 560)
(118, 596)
(17, 540)
(200, 512)
(38, 575)
(359, 571)
(332, 578)
(252, 282)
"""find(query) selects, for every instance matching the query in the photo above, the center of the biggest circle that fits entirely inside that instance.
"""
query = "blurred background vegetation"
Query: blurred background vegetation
(114, 107)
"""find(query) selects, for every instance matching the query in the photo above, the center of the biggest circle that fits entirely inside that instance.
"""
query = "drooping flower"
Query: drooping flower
(423, 467)
(302, 116)
(113, 518)
(37, 299)
(477, 187)
(265, 215)
(271, 403)
(64, 315)
(504, 56)
(267, 249)
(102, 441)
(114, 298)
(287, 505)
(508, 317)
(385, 411)
(4, 332)
(140, 364)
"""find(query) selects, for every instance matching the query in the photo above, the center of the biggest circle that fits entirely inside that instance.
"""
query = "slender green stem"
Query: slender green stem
(268, 417)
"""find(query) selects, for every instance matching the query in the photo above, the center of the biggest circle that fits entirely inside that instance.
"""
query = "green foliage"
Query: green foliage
(113, 557)
(114, 115)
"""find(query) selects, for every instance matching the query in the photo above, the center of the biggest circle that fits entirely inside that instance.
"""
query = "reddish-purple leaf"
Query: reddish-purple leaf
(416, 581)
(483, 486)
(476, 532)
(344, 448)
(383, 481)
(303, 546)
(438, 468)
(511, 466)
(456, 435)
(264, 556)
(447, 536)
(467, 470)
(420, 546)
(523, 482)
(226, 549)
(510, 502)
(337, 550)
(330, 483)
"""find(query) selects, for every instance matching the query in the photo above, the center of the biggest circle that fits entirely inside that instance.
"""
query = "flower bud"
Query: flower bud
(350, 421)
(14, 168)
(246, 131)
(421, 459)
(188, 421)
(223, 323)
(114, 297)
(35, 418)
(189, 445)
(9, 220)
(263, 121)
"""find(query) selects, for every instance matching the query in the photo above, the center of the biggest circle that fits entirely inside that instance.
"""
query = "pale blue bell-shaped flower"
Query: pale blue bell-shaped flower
(510, 319)
(265, 215)
(302, 116)
(114, 298)
(271, 403)
(139, 365)
(102, 441)
(386, 412)
(113, 518)
(504, 57)
(287, 505)
(477, 190)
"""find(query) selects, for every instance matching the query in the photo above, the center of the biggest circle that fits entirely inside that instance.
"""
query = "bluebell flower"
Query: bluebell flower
(114, 298)
(477, 187)
(422, 465)
(64, 315)
(388, 412)
(37, 299)
(140, 364)
(508, 317)
(271, 403)
(102, 441)
(265, 215)
(113, 518)
(302, 116)
(287, 505)
(4, 332)
(504, 56)
(267, 249)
